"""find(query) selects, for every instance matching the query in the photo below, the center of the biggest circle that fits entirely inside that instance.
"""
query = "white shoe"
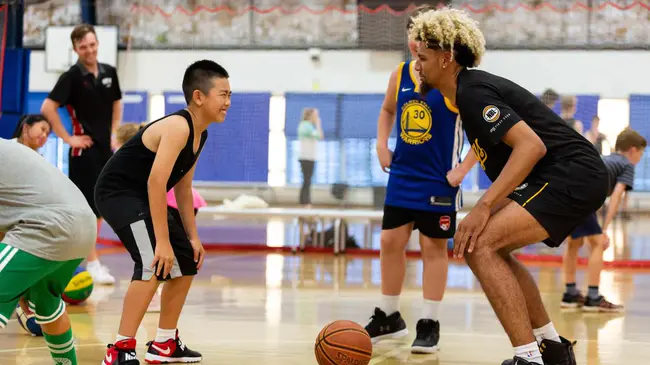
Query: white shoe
(100, 275)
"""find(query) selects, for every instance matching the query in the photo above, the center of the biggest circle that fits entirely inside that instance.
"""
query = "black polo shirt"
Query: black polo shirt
(89, 101)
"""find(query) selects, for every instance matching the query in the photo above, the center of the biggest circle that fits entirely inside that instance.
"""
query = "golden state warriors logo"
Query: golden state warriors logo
(481, 154)
(491, 113)
(416, 122)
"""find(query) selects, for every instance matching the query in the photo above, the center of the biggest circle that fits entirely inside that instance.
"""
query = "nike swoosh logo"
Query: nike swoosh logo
(166, 351)
(403, 89)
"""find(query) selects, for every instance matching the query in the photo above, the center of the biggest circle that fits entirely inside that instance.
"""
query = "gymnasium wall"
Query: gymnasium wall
(347, 87)
(610, 74)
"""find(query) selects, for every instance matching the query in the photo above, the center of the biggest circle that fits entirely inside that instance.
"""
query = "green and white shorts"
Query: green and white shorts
(41, 282)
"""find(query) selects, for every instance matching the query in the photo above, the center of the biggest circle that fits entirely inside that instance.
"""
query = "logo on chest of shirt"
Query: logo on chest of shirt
(416, 122)
(491, 113)
(107, 82)
(481, 154)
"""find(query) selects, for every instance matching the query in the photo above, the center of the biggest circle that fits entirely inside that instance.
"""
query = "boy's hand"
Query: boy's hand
(455, 176)
(199, 252)
(164, 257)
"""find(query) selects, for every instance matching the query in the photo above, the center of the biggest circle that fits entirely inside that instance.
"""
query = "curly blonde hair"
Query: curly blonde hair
(452, 30)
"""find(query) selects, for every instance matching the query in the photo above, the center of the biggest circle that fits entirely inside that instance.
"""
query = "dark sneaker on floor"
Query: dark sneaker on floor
(601, 305)
(383, 327)
(517, 361)
(170, 351)
(553, 353)
(427, 337)
(558, 353)
(572, 300)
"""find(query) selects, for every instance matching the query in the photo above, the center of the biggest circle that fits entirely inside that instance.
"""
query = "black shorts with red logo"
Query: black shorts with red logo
(430, 224)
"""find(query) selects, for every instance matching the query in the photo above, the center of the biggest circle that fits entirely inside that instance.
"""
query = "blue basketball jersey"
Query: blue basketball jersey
(429, 144)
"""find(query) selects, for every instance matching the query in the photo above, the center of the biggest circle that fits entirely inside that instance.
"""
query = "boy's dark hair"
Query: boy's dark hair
(80, 31)
(550, 97)
(28, 119)
(629, 138)
(199, 75)
(417, 11)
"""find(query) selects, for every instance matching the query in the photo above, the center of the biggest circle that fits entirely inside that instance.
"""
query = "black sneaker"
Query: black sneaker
(121, 353)
(601, 305)
(558, 353)
(572, 300)
(553, 353)
(172, 350)
(427, 337)
(382, 327)
(517, 361)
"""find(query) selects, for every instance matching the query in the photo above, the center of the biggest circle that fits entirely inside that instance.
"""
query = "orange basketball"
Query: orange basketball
(343, 343)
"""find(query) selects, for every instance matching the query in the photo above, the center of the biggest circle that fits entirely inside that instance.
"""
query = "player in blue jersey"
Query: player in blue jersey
(422, 193)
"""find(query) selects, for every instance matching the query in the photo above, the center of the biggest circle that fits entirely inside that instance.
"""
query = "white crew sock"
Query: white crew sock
(530, 353)
(165, 335)
(547, 332)
(431, 309)
(389, 304)
(122, 338)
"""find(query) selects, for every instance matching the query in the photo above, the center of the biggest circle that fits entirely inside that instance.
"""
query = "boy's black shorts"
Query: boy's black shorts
(139, 238)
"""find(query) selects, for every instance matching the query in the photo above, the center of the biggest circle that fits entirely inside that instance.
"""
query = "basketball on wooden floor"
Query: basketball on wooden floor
(343, 342)
(79, 288)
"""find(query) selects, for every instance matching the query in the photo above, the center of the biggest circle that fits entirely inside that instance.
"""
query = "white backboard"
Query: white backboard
(59, 55)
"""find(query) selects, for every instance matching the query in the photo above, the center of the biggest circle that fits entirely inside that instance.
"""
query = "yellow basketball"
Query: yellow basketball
(79, 288)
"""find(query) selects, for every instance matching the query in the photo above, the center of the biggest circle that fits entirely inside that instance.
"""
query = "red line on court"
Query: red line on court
(259, 248)
(490, 7)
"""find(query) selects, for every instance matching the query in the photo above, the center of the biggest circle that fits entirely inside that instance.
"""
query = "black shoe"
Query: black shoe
(427, 337)
(170, 351)
(572, 300)
(553, 353)
(382, 327)
(517, 361)
(558, 353)
(601, 305)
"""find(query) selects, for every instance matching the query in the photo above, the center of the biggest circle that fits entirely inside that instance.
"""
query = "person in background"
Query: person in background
(549, 98)
(568, 112)
(32, 131)
(309, 133)
(594, 136)
(630, 146)
(91, 93)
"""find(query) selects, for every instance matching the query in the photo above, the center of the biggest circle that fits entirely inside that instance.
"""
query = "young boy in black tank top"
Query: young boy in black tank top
(131, 194)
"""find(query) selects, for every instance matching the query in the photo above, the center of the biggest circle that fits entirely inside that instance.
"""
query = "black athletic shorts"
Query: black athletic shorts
(430, 224)
(84, 167)
(588, 227)
(139, 239)
(560, 205)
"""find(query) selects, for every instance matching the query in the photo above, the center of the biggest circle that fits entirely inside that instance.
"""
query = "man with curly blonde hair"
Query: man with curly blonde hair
(546, 177)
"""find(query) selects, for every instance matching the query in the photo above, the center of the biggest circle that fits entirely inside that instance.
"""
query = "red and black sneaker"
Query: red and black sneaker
(121, 353)
(170, 351)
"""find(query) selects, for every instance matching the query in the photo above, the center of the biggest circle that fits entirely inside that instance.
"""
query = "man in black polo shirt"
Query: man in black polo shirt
(91, 93)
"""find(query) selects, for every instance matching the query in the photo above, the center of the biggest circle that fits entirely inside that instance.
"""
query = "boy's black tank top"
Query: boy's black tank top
(125, 176)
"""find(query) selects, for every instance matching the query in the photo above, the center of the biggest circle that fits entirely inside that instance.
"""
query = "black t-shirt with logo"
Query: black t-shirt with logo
(490, 105)
(89, 101)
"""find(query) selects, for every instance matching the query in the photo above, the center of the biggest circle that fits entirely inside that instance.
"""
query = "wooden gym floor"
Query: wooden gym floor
(268, 309)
